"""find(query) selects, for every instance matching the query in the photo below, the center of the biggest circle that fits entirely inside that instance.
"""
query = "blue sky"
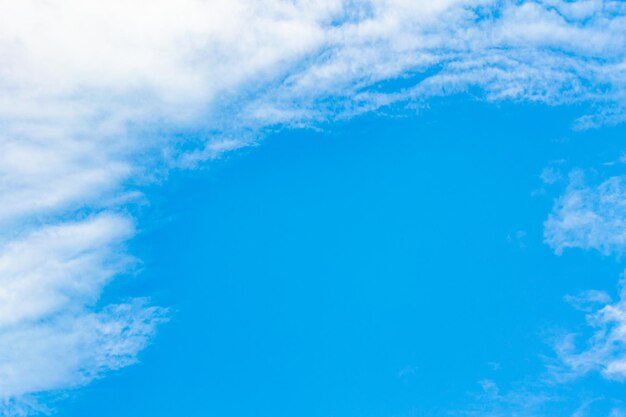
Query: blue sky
(384, 266)
(330, 208)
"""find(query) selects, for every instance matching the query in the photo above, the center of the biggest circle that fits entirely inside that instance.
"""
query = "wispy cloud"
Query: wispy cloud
(52, 334)
(593, 217)
(521, 401)
(539, 399)
(604, 350)
(589, 216)
(96, 96)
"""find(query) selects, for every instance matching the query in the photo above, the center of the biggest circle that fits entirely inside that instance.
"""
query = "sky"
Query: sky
(332, 208)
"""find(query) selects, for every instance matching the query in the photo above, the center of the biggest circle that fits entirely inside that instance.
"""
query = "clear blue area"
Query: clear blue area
(380, 267)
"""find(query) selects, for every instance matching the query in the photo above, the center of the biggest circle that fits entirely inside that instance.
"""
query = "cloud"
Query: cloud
(589, 217)
(539, 398)
(523, 400)
(73, 348)
(550, 175)
(98, 98)
(56, 267)
(52, 335)
(593, 217)
(605, 349)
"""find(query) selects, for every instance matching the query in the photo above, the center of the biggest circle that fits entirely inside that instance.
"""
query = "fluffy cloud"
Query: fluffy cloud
(589, 217)
(95, 97)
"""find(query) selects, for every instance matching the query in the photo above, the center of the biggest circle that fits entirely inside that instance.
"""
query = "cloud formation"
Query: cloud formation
(52, 336)
(605, 350)
(539, 399)
(98, 98)
(589, 217)
(592, 217)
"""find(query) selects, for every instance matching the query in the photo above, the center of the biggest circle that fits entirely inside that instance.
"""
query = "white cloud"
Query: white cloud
(550, 175)
(51, 334)
(593, 217)
(72, 349)
(605, 350)
(522, 400)
(589, 217)
(95, 96)
(60, 267)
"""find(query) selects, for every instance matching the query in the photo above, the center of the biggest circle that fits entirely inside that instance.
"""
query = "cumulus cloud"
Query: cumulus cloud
(99, 97)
